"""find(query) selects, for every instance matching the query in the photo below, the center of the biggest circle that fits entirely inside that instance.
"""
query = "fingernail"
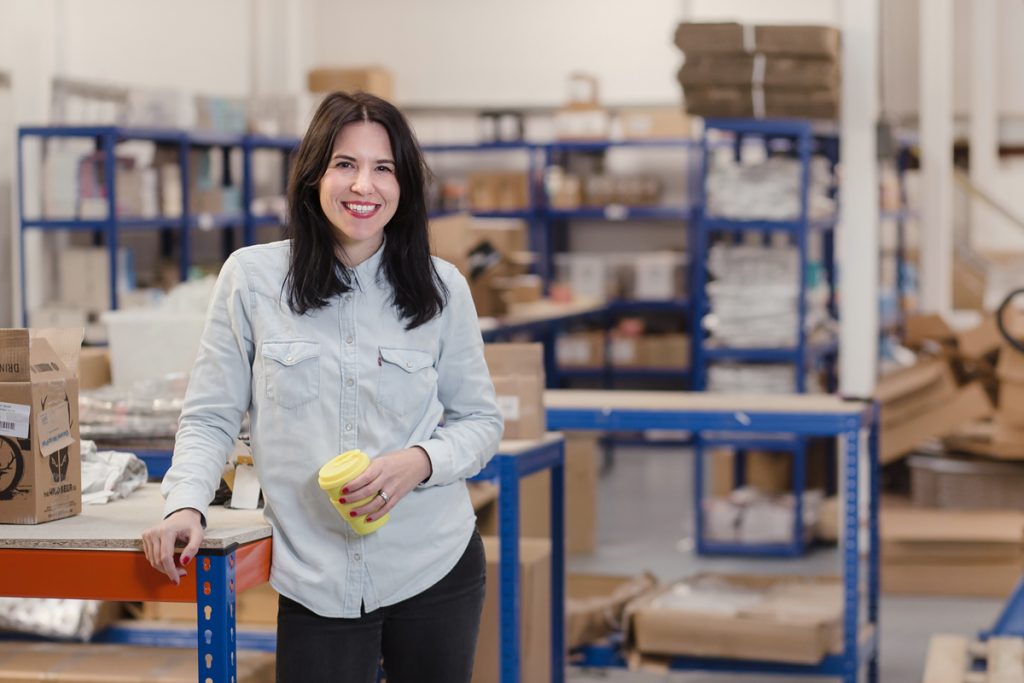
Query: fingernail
(185, 561)
(345, 490)
(341, 500)
(352, 514)
(369, 519)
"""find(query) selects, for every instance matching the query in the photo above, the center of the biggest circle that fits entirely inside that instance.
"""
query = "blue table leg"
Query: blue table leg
(851, 560)
(558, 567)
(875, 549)
(508, 569)
(215, 607)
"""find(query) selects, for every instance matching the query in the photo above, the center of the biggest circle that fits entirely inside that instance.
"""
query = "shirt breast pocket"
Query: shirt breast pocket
(292, 371)
(408, 380)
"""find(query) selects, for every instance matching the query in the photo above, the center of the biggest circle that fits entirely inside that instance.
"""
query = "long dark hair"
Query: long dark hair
(314, 274)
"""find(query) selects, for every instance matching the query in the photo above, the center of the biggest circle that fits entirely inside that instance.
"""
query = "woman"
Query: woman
(348, 335)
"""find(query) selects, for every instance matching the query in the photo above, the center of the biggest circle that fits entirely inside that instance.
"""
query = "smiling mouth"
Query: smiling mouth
(361, 209)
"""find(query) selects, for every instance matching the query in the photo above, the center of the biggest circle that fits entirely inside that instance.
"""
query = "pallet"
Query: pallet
(951, 659)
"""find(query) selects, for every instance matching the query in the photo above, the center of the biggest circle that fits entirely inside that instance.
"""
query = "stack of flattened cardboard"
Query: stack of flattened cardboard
(734, 70)
(924, 402)
(928, 551)
(517, 371)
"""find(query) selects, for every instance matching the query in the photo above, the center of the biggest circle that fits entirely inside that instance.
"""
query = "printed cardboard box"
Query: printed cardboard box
(40, 455)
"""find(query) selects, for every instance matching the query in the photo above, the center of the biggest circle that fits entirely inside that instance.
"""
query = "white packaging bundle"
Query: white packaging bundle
(52, 618)
(757, 378)
(766, 190)
(748, 515)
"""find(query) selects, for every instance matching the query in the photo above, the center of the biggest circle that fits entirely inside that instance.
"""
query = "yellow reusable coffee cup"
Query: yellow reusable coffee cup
(332, 479)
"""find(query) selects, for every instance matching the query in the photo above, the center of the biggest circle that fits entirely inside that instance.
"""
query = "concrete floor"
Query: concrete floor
(645, 522)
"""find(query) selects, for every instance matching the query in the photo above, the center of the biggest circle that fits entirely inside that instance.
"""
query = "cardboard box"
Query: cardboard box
(498, 190)
(582, 462)
(778, 72)
(257, 605)
(965, 483)
(925, 551)
(796, 619)
(451, 238)
(93, 368)
(580, 349)
(534, 616)
(710, 38)
(375, 80)
(654, 124)
(95, 662)
(40, 452)
(595, 603)
(807, 41)
(517, 371)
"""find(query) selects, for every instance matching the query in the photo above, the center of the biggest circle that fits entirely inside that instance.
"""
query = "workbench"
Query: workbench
(98, 555)
(794, 414)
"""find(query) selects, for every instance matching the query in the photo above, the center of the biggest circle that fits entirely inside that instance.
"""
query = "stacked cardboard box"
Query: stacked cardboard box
(595, 604)
(375, 80)
(40, 452)
(517, 371)
(733, 70)
(581, 478)
(534, 616)
(492, 254)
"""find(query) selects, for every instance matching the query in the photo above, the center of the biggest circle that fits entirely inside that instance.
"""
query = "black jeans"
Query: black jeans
(428, 638)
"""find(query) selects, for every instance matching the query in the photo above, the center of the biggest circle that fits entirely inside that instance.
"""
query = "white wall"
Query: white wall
(495, 52)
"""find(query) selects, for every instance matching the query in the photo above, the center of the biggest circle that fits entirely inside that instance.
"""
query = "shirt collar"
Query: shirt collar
(366, 271)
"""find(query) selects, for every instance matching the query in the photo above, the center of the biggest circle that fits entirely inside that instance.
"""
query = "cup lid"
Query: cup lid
(342, 468)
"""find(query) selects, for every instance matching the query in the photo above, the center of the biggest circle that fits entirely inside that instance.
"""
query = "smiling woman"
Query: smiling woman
(348, 335)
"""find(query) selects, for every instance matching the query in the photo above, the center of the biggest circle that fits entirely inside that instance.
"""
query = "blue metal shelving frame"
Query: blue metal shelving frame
(543, 221)
(801, 140)
(860, 647)
(106, 140)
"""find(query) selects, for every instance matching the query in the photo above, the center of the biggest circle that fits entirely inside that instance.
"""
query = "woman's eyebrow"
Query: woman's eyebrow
(347, 157)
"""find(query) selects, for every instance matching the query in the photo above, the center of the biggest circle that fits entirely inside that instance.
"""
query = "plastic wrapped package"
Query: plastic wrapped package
(767, 190)
(53, 618)
(147, 410)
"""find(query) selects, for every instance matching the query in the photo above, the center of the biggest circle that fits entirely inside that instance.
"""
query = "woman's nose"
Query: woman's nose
(361, 184)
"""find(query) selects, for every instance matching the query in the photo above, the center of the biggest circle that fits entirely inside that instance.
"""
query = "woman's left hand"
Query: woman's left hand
(394, 474)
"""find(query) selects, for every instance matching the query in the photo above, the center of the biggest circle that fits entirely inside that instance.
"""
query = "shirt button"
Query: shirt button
(349, 382)
(348, 427)
(357, 557)
(408, 365)
(348, 340)
(290, 358)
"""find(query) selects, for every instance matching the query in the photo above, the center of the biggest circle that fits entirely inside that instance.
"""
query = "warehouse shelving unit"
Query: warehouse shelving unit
(107, 230)
(794, 416)
(801, 140)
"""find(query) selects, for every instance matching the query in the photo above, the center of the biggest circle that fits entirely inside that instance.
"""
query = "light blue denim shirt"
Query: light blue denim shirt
(345, 376)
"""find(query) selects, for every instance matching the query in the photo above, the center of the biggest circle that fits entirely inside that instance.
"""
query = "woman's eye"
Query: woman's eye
(385, 169)
(343, 164)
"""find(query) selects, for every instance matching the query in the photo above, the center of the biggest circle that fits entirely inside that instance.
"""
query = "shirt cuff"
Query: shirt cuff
(181, 500)
(442, 467)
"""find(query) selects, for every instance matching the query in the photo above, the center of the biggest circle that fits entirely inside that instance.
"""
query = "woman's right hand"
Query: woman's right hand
(158, 542)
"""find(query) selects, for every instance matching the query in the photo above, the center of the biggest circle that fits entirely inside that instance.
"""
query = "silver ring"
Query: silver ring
(383, 496)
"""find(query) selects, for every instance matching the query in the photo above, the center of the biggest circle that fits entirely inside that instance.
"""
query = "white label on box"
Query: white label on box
(509, 407)
(54, 428)
(14, 420)
(623, 351)
(572, 351)
(245, 492)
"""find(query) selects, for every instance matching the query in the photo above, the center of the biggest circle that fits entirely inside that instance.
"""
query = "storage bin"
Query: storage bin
(966, 483)
(147, 344)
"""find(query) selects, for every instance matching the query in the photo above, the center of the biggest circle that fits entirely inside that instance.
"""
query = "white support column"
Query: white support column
(34, 35)
(857, 243)
(936, 116)
(984, 117)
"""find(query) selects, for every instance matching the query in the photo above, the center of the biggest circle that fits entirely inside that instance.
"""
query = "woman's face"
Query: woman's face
(359, 191)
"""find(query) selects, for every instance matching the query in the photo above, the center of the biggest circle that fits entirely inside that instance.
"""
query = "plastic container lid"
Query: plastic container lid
(343, 468)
